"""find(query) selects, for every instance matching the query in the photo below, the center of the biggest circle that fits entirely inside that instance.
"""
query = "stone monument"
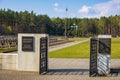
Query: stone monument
(33, 52)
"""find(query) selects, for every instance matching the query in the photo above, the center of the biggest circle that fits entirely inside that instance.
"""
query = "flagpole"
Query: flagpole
(66, 25)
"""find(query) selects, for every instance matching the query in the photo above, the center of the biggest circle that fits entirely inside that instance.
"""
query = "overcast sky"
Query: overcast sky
(57, 8)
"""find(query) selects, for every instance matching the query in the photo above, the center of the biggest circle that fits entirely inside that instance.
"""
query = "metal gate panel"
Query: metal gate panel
(93, 57)
(43, 55)
(104, 45)
(104, 56)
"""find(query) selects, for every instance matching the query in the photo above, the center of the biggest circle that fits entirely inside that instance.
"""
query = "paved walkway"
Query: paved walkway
(57, 47)
(63, 69)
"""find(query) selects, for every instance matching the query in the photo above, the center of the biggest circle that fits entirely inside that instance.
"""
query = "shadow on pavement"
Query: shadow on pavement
(68, 72)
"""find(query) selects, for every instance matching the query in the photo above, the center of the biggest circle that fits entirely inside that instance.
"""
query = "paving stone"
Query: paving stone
(70, 69)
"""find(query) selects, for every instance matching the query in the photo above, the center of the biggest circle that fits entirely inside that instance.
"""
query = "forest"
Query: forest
(13, 22)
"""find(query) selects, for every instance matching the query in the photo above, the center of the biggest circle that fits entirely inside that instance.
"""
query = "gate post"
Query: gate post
(100, 50)
(33, 52)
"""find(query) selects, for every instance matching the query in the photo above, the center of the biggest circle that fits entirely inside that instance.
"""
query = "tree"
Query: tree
(13, 22)
(58, 25)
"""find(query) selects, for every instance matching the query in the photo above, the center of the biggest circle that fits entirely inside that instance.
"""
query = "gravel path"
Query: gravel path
(62, 69)
(57, 47)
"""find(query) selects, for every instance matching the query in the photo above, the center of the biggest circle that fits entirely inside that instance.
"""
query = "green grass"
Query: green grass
(115, 50)
(77, 51)
(82, 50)
(77, 39)
(7, 49)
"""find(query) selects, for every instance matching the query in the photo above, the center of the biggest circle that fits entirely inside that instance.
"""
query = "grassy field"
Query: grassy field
(77, 51)
(115, 50)
(77, 39)
(7, 50)
(82, 50)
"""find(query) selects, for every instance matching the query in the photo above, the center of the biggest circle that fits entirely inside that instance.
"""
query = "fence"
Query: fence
(8, 42)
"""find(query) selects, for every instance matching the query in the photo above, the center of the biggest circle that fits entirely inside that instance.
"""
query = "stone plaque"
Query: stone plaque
(27, 43)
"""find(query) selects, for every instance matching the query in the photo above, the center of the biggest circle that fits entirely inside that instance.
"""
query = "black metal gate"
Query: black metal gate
(104, 56)
(104, 46)
(100, 49)
(43, 55)
(93, 57)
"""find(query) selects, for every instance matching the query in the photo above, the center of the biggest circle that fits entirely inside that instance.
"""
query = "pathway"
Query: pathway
(62, 69)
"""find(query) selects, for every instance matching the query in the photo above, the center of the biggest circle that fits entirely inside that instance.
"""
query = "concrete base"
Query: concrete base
(9, 61)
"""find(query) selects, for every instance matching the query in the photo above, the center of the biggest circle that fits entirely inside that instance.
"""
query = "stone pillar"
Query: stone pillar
(29, 51)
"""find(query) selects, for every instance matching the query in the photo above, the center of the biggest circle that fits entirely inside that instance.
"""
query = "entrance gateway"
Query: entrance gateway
(33, 53)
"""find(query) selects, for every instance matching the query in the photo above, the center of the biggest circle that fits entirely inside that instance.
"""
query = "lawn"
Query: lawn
(115, 50)
(82, 50)
(7, 50)
(77, 51)
(77, 39)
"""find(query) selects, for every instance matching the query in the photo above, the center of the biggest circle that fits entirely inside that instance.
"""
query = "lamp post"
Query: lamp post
(76, 29)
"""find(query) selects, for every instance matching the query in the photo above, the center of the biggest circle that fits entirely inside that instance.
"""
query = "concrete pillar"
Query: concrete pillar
(29, 51)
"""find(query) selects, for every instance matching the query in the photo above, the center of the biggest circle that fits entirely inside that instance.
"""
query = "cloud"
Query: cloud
(112, 7)
(84, 9)
(56, 4)
(58, 9)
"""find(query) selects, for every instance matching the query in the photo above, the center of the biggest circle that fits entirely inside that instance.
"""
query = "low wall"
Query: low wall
(0, 61)
(8, 61)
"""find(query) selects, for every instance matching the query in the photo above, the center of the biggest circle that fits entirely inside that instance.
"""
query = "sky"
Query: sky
(57, 8)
